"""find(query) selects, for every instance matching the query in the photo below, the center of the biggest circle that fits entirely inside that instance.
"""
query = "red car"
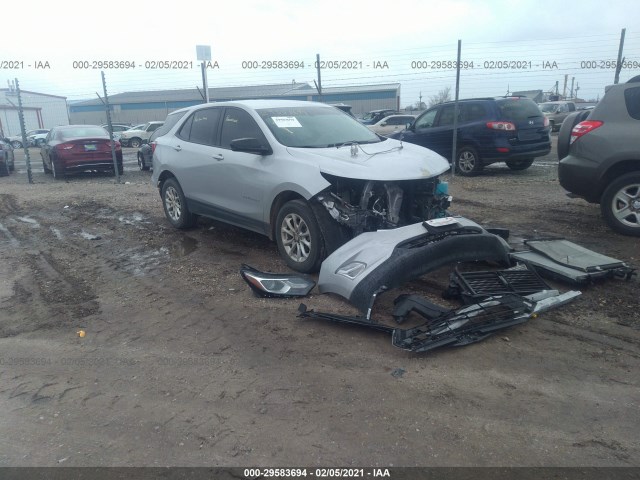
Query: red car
(78, 148)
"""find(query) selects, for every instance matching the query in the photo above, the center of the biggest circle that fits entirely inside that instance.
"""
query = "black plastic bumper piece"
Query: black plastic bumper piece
(456, 328)
(412, 261)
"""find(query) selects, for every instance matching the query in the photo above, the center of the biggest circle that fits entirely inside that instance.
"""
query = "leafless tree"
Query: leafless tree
(443, 95)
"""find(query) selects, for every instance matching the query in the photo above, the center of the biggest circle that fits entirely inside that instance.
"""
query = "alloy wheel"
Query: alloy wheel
(625, 205)
(296, 237)
(173, 204)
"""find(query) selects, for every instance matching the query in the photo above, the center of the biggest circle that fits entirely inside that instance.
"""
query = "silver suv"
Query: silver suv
(305, 174)
(600, 156)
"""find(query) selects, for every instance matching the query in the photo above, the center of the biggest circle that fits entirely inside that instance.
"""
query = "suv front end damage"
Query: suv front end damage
(368, 205)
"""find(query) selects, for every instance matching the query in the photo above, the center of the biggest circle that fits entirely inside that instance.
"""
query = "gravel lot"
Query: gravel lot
(182, 365)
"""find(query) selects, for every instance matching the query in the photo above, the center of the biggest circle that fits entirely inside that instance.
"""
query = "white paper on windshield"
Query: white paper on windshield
(286, 122)
(440, 222)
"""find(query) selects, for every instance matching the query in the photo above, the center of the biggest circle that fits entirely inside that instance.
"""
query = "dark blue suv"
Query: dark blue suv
(490, 130)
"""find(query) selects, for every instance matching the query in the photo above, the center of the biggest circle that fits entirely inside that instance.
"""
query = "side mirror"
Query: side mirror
(383, 124)
(250, 145)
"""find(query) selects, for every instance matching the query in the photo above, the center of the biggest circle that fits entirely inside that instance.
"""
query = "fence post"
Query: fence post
(113, 145)
(24, 133)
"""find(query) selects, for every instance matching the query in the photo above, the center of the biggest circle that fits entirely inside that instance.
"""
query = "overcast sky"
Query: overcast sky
(550, 38)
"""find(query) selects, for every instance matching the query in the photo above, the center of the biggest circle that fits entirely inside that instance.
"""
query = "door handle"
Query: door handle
(218, 156)
(177, 148)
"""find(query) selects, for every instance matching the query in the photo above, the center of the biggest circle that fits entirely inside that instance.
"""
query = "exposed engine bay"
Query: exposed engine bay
(368, 205)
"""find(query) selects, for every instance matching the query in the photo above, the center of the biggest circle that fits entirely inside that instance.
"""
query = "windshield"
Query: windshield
(138, 127)
(548, 107)
(516, 109)
(315, 127)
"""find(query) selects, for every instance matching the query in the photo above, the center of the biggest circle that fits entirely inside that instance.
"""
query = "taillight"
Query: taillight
(506, 126)
(153, 147)
(583, 128)
(545, 122)
(118, 145)
(65, 146)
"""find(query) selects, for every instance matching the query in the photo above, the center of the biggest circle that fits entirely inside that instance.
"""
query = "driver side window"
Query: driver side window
(238, 124)
(427, 119)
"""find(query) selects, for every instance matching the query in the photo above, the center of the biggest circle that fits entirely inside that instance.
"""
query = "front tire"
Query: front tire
(468, 163)
(135, 142)
(44, 166)
(298, 236)
(16, 144)
(620, 204)
(519, 164)
(175, 205)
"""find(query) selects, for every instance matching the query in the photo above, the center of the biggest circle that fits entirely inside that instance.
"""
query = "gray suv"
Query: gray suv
(600, 156)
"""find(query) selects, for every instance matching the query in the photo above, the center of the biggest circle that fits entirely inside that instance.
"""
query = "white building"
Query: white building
(41, 110)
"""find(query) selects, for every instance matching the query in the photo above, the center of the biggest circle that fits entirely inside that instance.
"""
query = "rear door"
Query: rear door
(527, 118)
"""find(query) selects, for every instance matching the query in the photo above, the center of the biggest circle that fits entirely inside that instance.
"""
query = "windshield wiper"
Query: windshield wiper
(352, 142)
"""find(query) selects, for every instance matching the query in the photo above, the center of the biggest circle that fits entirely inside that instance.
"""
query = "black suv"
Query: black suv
(599, 153)
(490, 130)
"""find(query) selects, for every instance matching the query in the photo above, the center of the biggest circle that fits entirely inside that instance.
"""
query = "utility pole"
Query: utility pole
(454, 155)
(616, 79)
(564, 90)
(319, 82)
(203, 53)
(420, 104)
(573, 79)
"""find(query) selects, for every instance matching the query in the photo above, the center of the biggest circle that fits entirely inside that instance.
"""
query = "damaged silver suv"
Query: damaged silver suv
(305, 174)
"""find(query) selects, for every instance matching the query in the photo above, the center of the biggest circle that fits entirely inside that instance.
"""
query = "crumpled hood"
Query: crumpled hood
(387, 160)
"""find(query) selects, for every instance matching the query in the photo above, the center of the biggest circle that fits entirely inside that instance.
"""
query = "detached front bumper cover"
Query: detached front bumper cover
(388, 258)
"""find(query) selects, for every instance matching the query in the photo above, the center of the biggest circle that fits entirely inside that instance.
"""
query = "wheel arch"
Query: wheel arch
(277, 203)
(163, 177)
(618, 169)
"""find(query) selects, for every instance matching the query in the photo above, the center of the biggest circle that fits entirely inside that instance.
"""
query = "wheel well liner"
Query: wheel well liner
(615, 171)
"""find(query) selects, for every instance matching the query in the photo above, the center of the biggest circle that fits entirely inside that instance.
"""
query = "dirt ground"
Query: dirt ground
(181, 365)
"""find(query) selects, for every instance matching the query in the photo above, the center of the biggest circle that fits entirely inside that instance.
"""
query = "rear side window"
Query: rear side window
(632, 100)
(202, 126)
(517, 108)
(472, 112)
(171, 120)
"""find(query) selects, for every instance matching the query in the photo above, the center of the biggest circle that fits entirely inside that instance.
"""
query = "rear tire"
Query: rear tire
(44, 166)
(135, 142)
(620, 204)
(468, 163)
(141, 164)
(16, 144)
(58, 172)
(175, 205)
(519, 164)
